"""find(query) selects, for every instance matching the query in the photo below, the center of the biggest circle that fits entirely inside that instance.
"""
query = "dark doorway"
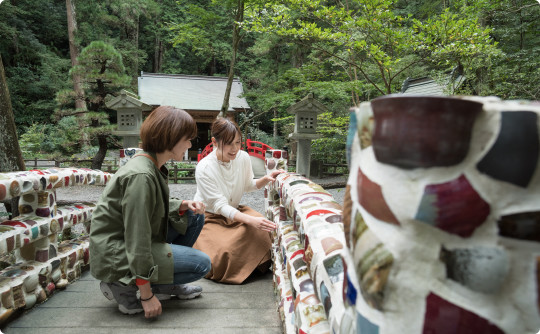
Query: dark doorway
(203, 138)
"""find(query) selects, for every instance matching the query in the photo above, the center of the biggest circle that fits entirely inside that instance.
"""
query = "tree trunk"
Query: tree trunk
(159, 47)
(275, 126)
(98, 159)
(136, 42)
(74, 53)
(10, 152)
(236, 41)
(158, 55)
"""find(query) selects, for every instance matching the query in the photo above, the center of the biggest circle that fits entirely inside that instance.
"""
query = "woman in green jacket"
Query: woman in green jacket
(140, 239)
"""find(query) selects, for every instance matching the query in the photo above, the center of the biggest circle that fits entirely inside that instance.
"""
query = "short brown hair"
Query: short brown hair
(225, 130)
(165, 127)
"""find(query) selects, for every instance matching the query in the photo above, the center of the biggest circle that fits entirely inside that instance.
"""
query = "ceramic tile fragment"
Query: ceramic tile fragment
(444, 317)
(480, 269)
(427, 131)
(454, 207)
(523, 226)
(371, 198)
(514, 155)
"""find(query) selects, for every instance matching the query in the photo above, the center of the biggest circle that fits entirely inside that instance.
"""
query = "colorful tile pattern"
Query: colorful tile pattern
(308, 248)
(41, 263)
(483, 207)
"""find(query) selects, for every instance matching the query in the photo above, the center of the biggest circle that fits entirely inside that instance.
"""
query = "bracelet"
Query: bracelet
(147, 299)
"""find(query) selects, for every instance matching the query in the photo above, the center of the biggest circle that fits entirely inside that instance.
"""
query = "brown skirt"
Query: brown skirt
(235, 249)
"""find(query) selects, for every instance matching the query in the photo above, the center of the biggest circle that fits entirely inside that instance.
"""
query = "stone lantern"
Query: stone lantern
(129, 117)
(305, 130)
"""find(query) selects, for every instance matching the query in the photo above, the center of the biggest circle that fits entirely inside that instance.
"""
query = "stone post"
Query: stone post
(305, 130)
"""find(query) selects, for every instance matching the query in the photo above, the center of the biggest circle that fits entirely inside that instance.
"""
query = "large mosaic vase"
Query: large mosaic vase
(442, 216)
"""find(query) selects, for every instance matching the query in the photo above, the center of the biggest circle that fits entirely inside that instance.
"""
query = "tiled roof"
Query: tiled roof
(189, 92)
(428, 87)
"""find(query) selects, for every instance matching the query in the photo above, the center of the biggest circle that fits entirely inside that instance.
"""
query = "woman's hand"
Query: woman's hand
(152, 306)
(196, 207)
(268, 178)
(261, 223)
(276, 173)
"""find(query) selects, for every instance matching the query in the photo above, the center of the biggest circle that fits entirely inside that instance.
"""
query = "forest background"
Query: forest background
(63, 59)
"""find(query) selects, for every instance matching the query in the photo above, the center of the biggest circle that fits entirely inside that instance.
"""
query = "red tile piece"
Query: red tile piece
(371, 198)
(443, 317)
(454, 207)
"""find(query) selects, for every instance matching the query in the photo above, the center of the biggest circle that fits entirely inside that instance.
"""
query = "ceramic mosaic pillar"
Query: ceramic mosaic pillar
(442, 216)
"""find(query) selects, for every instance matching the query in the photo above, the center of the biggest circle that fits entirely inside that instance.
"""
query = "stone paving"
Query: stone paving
(221, 308)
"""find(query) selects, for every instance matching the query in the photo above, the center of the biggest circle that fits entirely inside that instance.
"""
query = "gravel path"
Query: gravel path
(187, 191)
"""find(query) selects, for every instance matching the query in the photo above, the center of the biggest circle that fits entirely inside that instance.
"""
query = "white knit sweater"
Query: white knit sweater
(220, 186)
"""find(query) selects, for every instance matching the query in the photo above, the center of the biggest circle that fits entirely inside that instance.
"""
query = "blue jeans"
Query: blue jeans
(189, 264)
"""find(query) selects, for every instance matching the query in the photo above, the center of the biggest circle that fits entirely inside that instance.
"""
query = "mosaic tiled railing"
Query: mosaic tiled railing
(442, 216)
(34, 262)
(309, 251)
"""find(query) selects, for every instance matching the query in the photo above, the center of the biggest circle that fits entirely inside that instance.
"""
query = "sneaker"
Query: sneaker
(181, 291)
(124, 295)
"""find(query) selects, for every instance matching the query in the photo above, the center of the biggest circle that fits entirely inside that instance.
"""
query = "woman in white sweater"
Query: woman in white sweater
(235, 236)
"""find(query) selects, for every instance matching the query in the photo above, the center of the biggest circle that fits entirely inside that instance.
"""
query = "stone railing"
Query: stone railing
(439, 230)
(34, 261)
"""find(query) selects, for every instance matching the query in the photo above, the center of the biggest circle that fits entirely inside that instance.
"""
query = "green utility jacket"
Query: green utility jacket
(129, 225)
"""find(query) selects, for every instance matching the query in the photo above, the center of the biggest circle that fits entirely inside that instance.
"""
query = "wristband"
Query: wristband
(147, 299)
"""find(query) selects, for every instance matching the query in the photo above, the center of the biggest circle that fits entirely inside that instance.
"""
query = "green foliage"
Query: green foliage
(31, 46)
(66, 136)
(343, 52)
(365, 36)
(259, 135)
(102, 71)
(102, 74)
(131, 27)
(456, 39)
(180, 173)
(516, 76)
(204, 29)
(371, 37)
(47, 140)
(515, 27)
(31, 141)
(331, 147)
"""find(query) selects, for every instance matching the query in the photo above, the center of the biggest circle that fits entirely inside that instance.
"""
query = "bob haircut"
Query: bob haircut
(165, 127)
(225, 130)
